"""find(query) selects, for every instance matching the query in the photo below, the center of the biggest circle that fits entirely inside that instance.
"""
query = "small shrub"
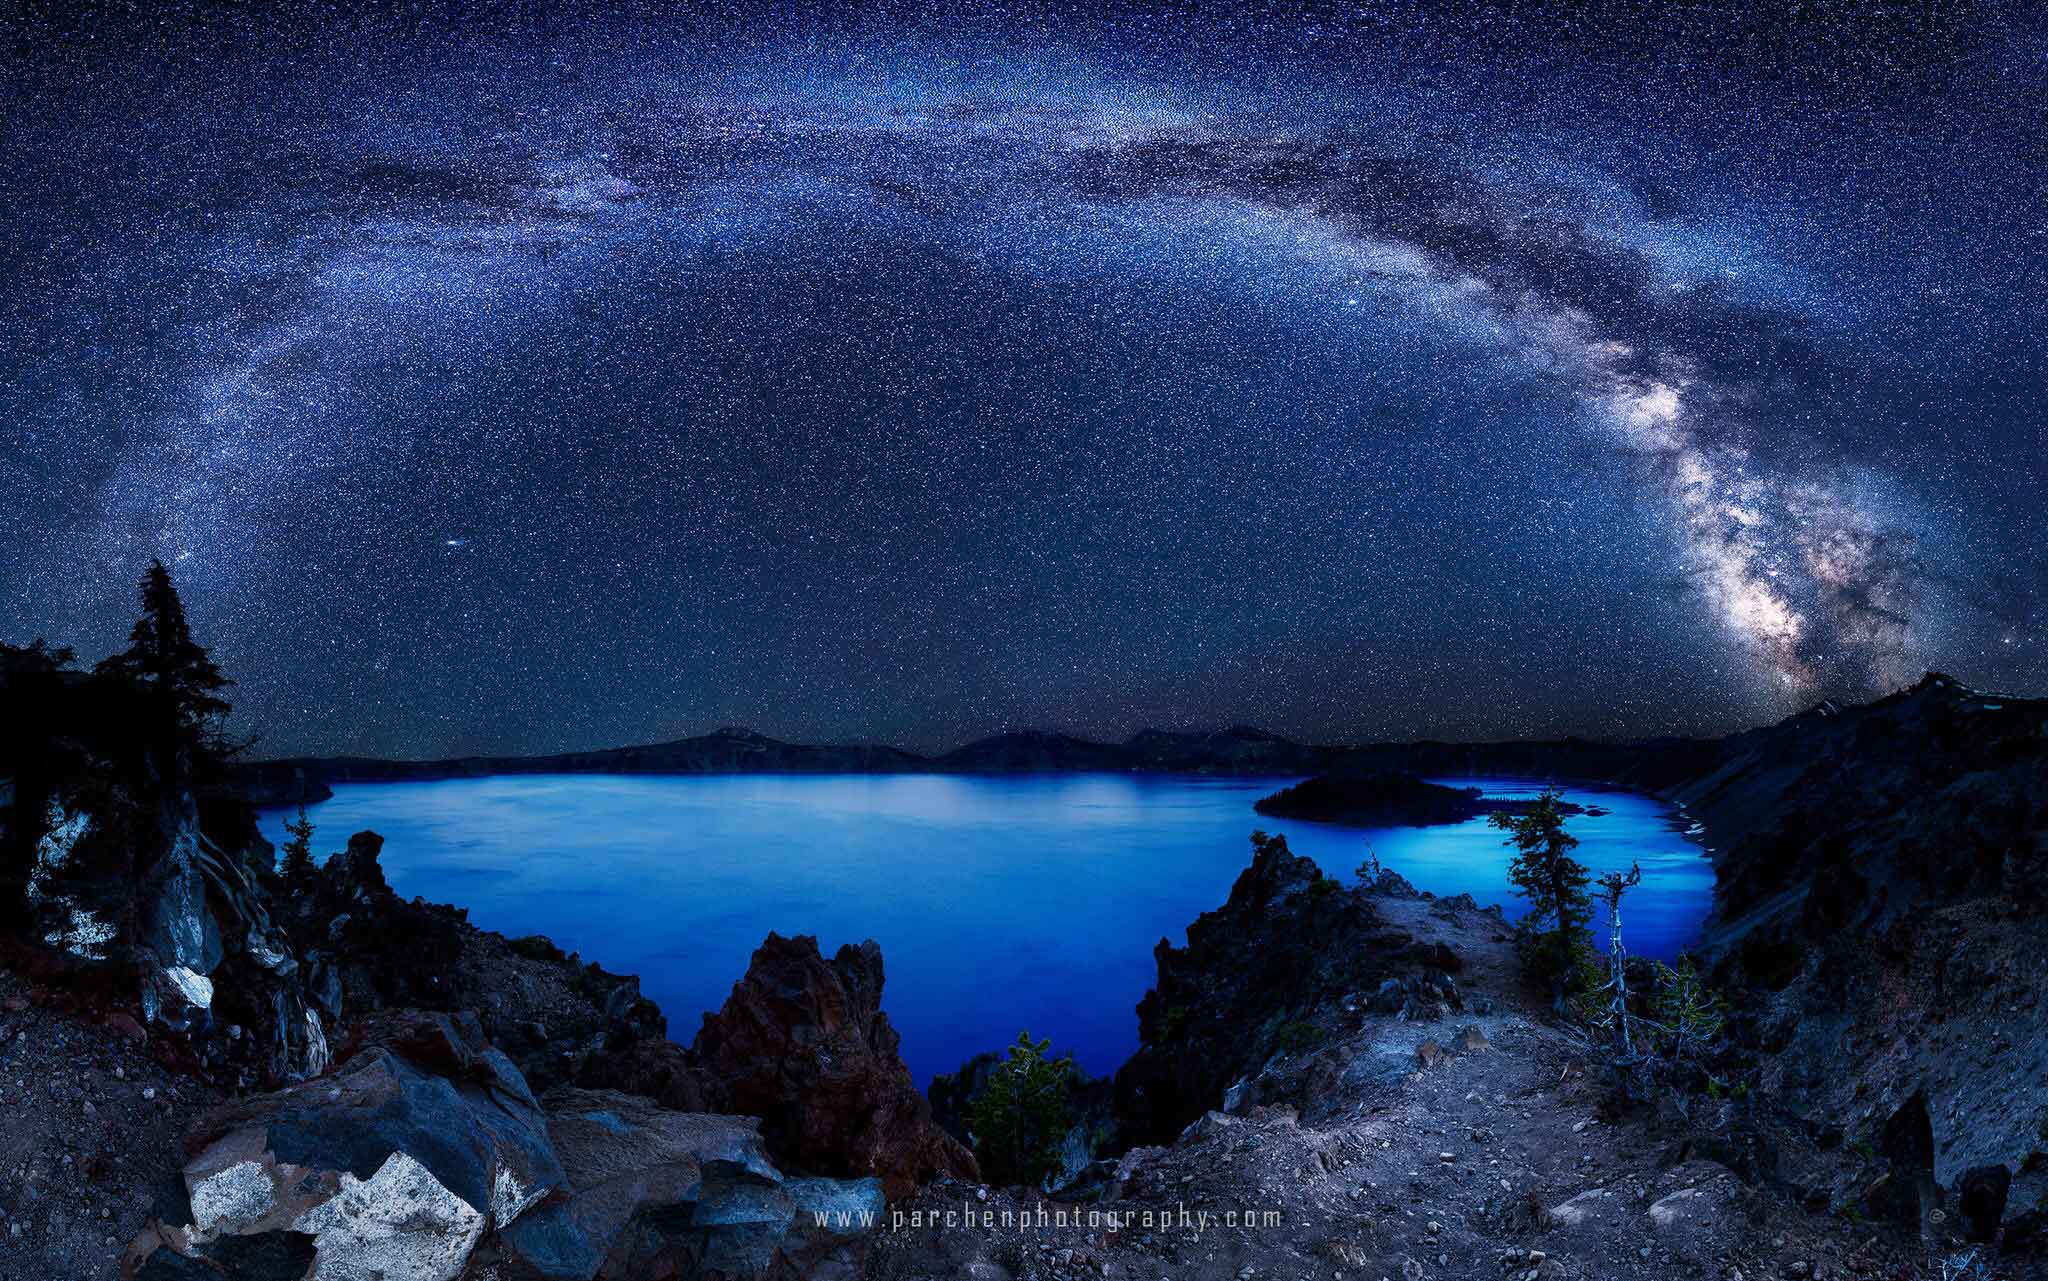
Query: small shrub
(1690, 1015)
(1292, 1036)
(1369, 871)
(1021, 1117)
(536, 947)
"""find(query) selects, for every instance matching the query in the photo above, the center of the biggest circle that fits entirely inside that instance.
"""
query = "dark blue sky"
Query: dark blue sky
(530, 386)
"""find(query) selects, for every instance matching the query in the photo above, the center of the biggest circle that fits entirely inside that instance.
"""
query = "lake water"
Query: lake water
(1001, 903)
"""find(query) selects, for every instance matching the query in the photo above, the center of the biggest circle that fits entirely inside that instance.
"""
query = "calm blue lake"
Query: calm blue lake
(1000, 903)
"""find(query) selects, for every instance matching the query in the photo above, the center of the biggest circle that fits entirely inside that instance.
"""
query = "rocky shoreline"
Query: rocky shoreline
(365, 1084)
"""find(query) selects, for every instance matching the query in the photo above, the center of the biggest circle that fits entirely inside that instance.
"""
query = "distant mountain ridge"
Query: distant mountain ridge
(1240, 751)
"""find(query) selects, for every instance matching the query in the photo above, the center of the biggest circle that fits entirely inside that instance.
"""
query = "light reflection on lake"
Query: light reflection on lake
(1000, 902)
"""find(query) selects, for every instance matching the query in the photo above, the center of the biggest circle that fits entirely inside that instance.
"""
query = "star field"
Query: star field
(538, 386)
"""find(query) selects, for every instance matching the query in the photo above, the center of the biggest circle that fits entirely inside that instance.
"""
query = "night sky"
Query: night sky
(564, 383)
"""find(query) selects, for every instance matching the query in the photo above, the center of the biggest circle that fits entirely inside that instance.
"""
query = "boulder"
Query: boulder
(1602, 1208)
(397, 1163)
(1423, 998)
(652, 1192)
(425, 1156)
(1693, 1211)
(1694, 1221)
(803, 1044)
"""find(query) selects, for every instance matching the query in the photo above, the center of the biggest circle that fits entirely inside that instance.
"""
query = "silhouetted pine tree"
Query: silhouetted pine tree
(1545, 873)
(296, 866)
(174, 670)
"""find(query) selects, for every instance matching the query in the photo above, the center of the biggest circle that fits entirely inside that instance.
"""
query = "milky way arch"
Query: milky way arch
(918, 397)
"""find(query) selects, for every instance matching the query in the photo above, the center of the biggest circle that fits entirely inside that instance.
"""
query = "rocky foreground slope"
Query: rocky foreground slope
(1881, 903)
(1421, 1116)
(1429, 1125)
(360, 1086)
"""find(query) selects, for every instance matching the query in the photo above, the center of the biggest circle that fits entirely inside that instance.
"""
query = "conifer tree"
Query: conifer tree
(172, 668)
(1690, 1014)
(1021, 1116)
(1545, 873)
(296, 865)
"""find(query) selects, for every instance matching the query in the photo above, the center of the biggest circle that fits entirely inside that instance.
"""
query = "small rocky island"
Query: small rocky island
(1388, 800)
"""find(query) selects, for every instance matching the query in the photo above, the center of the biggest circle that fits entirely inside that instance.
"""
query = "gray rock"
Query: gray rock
(648, 1185)
(395, 1165)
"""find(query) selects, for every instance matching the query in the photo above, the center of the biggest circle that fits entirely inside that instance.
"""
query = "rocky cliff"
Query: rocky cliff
(1881, 877)
(1253, 979)
(803, 1044)
(471, 1105)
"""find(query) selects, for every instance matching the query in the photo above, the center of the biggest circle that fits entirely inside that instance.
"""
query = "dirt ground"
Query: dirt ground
(90, 1128)
(1488, 1158)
